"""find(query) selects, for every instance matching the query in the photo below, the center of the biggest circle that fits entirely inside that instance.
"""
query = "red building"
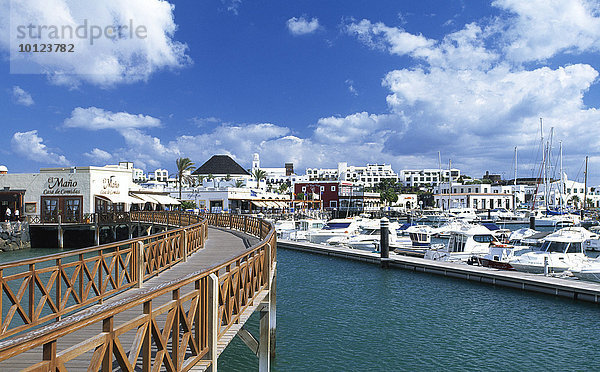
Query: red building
(323, 191)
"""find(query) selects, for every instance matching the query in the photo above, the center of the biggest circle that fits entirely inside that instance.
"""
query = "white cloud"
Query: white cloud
(98, 156)
(379, 36)
(470, 96)
(539, 29)
(94, 118)
(105, 60)
(21, 96)
(351, 88)
(31, 146)
(302, 26)
(232, 5)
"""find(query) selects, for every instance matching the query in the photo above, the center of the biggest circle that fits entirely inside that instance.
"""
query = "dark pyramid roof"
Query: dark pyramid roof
(221, 164)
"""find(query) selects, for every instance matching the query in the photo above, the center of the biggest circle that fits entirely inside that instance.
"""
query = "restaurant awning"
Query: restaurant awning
(258, 204)
(165, 199)
(120, 198)
(145, 198)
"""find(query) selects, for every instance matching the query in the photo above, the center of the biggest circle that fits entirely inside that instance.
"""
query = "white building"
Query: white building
(367, 176)
(73, 192)
(427, 177)
(275, 176)
(478, 196)
(232, 199)
(572, 193)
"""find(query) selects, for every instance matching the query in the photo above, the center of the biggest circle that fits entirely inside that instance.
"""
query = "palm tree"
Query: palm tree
(200, 180)
(184, 165)
(283, 188)
(239, 183)
(259, 174)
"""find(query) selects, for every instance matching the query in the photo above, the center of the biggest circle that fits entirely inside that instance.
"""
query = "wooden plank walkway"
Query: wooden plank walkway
(570, 288)
(221, 246)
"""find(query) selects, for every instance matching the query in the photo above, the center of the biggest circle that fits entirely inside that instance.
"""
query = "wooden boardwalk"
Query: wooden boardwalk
(222, 245)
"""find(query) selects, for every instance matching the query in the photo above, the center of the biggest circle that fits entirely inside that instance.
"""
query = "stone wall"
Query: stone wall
(14, 236)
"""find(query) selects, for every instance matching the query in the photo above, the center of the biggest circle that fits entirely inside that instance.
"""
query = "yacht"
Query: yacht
(500, 254)
(366, 238)
(465, 214)
(469, 241)
(334, 228)
(544, 219)
(419, 240)
(560, 251)
(302, 228)
(498, 214)
(588, 270)
(436, 216)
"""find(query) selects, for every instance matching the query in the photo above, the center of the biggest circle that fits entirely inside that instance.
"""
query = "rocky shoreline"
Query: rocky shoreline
(14, 236)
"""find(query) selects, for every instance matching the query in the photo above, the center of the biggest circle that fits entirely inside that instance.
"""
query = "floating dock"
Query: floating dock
(568, 288)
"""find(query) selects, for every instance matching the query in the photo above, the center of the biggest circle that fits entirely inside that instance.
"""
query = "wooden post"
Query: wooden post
(384, 242)
(264, 345)
(273, 309)
(245, 223)
(175, 332)
(107, 327)
(147, 344)
(60, 233)
(184, 242)
(49, 354)
(140, 263)
(213, 320)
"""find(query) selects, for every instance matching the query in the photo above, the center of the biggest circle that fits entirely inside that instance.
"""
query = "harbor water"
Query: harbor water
(339, 315)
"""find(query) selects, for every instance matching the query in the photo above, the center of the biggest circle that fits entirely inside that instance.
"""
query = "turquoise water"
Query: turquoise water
(339, 315)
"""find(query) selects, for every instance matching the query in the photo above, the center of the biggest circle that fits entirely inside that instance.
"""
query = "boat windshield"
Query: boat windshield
(336, 225)
(366, 231)
(562, 247)
(483, 238)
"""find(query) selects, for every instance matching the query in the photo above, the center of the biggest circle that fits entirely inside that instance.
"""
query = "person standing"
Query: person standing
(17, 215)
(8, 213)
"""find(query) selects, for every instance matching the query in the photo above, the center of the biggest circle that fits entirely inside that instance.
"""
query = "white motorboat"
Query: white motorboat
(367, 238)
(469, 241)
(560, 251)
(498, 214)
(543, 219)
(520, 242)
(419, 240)
(302, 228)
(436, 216)
(588, 270)
(334, 228)
(454, 225)
(465, 214)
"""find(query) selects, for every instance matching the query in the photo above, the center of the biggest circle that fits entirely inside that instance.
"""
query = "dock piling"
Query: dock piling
(61, 236)
(532, 222)
(384, 242)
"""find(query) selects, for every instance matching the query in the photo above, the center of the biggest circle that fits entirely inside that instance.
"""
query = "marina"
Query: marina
(572, 289)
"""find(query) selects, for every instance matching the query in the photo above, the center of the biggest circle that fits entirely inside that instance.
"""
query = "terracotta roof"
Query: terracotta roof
(221, 164)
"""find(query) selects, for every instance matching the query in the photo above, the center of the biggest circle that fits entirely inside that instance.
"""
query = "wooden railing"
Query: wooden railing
(49, 287)
(201, 307)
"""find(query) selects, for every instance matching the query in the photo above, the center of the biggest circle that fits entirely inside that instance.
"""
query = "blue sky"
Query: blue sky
(309, 82)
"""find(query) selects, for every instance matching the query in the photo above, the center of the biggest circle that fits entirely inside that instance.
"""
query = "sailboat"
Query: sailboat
(548, 217)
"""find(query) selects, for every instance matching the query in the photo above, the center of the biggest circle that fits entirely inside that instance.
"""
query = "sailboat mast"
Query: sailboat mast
(449, 182)
(585, 184)
(562, 180)
(515, 183)
(440, 177)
